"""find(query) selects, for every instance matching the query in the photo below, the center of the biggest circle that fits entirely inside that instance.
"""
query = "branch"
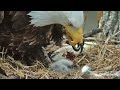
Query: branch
(99, 40)
(96, 31)
(92, 32)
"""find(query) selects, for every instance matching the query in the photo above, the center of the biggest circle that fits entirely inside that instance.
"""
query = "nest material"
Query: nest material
(24, 41)
(109, 62)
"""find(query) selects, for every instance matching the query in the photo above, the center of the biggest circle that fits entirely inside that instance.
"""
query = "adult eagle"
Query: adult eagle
(24, 33)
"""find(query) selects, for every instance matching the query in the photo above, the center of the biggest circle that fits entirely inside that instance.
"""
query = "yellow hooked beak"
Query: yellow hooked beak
(75, 37)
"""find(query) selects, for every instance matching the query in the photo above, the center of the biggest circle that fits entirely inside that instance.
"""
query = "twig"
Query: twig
(92, 32)
(3, 76)
(99, 40)
(103, 50)
(76, 75)
(81, 59)
(15, 63)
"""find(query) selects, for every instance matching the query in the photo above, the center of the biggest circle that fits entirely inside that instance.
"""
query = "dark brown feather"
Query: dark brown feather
(24, 41)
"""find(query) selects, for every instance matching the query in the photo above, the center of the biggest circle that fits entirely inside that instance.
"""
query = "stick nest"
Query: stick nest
(101, 58)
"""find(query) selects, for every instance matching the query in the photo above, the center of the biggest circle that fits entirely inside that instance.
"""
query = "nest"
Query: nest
(101, 58)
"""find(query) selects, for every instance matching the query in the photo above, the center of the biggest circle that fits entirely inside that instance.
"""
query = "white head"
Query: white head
(76, 18)
(71, 20)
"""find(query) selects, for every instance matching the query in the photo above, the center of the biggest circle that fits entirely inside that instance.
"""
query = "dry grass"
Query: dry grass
(102, 58)
(32, 72)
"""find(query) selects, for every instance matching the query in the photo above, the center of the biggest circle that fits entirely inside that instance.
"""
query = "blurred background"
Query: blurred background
(91, 20)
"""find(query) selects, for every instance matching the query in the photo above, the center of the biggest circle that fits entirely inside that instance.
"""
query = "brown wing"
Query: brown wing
(11, 22)
(24, 41)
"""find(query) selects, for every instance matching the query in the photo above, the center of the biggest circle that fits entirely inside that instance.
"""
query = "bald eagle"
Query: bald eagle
(24, 33)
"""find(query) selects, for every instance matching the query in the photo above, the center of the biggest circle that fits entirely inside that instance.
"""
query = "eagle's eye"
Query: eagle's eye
(70, 24)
